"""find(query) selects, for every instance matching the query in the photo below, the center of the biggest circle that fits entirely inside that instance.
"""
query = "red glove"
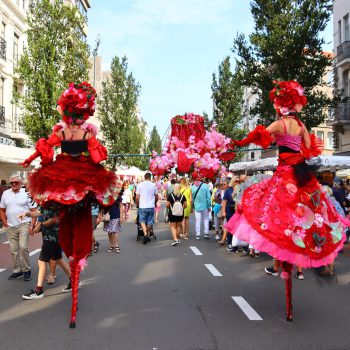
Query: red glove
(315, 149)
(27, 162)
(259, 136)
(98, 153)
(44, 149)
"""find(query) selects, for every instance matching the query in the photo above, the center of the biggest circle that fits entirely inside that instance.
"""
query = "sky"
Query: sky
(173, 48)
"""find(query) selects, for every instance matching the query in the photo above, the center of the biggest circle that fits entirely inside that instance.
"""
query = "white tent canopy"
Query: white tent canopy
(133, 171)
(10, 157)
(331, 163)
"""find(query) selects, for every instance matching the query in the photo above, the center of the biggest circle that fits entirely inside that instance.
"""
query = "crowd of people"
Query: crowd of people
(212, 202)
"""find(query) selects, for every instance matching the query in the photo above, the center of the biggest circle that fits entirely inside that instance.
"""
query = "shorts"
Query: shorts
(113, 226)
(146, 215)
(50, 251)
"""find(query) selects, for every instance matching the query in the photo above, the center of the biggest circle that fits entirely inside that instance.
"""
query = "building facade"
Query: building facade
(341, 43)
(12, 41)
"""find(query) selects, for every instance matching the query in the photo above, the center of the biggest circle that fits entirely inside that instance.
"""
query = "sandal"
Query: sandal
(117, 249)
(110, 249)
(51, 279)
(96, 246)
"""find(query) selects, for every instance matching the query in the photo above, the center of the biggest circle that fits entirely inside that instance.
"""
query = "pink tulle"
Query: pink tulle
(239, 227)
(83, 264)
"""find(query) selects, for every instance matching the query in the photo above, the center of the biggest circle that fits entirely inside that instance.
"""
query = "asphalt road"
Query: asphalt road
(158, 297)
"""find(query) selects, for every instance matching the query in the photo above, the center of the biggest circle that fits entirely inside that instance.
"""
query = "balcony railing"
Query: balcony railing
(342, 111)
(2, 116)
(2, 48)
(17, 125)
(343, 51)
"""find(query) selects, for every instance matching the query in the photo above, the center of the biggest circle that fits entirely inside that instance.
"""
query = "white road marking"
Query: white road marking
(7, 242)
(196, 251)
(34, 252)
(213, 270)
(247, 309)
(2, 270)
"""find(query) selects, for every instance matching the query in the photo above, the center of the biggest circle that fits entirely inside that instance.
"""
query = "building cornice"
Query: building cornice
(20, 14)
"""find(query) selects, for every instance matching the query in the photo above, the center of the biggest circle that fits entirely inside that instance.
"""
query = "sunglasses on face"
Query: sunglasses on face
(14, 182)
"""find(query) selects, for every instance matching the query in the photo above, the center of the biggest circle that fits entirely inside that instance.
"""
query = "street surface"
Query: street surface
(192, 297)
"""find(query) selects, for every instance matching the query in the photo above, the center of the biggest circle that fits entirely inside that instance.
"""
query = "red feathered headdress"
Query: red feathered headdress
(287, 97)
(77, 103)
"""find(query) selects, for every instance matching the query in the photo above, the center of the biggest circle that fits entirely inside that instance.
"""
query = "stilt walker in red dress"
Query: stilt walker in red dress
(74, 179)
(288, 215)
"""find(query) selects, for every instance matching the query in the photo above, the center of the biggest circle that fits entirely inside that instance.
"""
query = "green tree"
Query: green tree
(207, 120)
(285, 45)
(123, 130)
(227, 94)
(56, 55)
(155, 143)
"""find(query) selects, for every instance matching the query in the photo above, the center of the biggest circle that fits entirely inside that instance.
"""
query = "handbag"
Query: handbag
(106, 217)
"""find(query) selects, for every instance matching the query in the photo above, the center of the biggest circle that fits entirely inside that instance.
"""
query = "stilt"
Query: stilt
(75, 273)
(287, 269)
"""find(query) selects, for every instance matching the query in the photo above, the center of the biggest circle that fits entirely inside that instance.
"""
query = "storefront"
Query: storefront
(10, 157)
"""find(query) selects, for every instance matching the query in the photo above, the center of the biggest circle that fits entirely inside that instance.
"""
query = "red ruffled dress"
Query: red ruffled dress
(72, 178)
(287, 215)
(72, 182)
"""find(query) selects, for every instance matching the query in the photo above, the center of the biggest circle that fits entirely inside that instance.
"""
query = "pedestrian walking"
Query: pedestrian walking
(14, 202)
(95, 211)
(201, 206)
(146, 198)
(113, 225)
(126, 201)
(48, 225)
(186, 191)
(176, 203)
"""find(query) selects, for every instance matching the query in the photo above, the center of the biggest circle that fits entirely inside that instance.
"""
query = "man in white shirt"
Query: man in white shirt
(15, 202)
(146, 198)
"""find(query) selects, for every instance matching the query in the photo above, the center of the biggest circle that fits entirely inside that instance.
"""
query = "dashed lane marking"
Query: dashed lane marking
(213, 270)
(247, 309)
(2, 270)
(196, 251)
(34, 252)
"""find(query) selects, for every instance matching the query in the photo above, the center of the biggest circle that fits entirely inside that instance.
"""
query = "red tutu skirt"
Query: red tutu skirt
(294, 224)
(68, 180)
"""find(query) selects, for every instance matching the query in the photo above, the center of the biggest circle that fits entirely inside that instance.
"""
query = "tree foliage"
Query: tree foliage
(56, 55)
(123, 130)
(227, 94)
(155, 143)
(285, 45)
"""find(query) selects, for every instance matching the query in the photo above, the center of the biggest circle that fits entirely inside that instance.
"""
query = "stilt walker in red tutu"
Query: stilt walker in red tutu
(288, 215)
(74, 179)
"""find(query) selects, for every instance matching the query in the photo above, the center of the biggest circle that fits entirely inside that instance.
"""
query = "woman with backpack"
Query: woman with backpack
(176, 203)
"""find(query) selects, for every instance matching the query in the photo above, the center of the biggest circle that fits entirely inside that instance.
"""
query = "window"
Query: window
(339, 32)
(15, 50)
(346, 28)
(320, 135)
(2, 30)
(2, 81)
(81, 8)
(346, 83)
(252, 155)
(330, 140)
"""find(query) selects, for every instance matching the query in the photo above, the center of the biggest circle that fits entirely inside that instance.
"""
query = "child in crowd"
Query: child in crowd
(48, 224)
